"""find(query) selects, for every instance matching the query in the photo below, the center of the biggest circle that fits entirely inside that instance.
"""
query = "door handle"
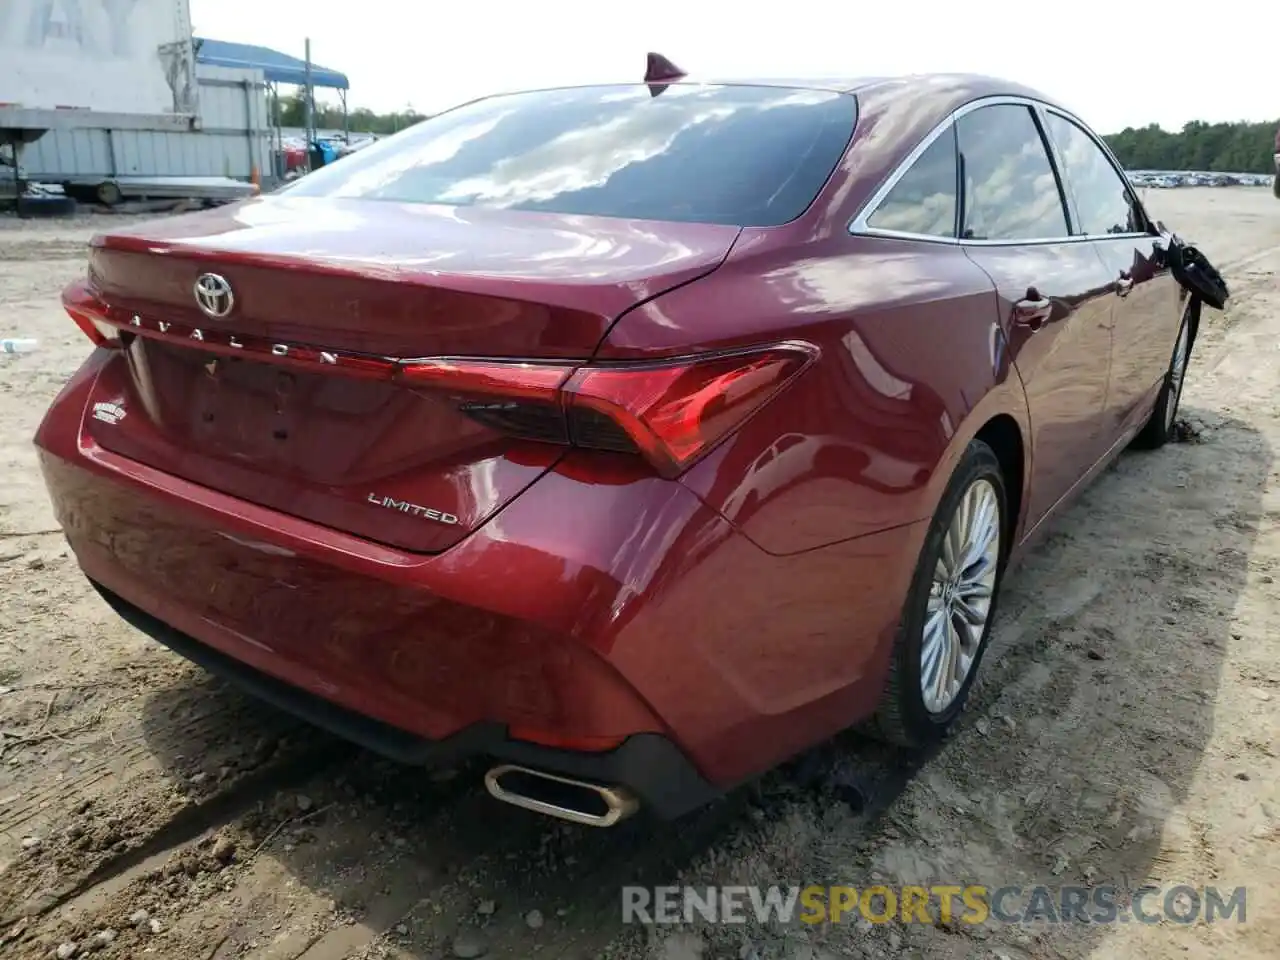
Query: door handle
(1032, 311)
(1124, 284)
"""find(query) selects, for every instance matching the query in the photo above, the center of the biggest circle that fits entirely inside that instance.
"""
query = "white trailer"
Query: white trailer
(114, 64)
(80, 62)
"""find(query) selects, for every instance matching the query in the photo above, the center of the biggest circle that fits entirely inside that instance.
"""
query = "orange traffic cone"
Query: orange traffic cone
(255, 179)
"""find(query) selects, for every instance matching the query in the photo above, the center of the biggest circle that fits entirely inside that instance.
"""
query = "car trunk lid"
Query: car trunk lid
(288, 400)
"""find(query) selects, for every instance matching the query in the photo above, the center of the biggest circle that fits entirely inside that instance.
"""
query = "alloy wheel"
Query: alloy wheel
(960, 596)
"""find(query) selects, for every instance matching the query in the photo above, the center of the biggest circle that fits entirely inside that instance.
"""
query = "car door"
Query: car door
(1145, 306)
(1052, 291)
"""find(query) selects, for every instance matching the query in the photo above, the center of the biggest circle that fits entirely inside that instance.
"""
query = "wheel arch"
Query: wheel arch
(1193, 316)
(1001, 420)
(1003, 435)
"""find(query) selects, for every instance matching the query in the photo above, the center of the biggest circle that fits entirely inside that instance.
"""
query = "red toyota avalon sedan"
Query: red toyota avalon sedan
(633, 437)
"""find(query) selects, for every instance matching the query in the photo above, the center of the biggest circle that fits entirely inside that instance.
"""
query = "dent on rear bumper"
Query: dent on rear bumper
(585, 607)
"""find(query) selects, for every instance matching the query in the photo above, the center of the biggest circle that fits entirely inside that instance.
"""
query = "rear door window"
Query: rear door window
(737, 155)
(923, 201)
(1103, 201)
(1010, 190)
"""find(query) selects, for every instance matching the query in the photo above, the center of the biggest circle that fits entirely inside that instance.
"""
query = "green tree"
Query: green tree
(293, 113)
(1226, 147)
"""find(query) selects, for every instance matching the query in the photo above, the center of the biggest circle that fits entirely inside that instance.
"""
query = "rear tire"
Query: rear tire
(1159, 427)
(950, 606)
(108, 193)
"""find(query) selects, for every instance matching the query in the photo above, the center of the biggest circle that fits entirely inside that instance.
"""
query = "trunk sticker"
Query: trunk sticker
(108, 412)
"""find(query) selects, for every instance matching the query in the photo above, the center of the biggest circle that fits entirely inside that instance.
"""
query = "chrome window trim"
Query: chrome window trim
(858, 226)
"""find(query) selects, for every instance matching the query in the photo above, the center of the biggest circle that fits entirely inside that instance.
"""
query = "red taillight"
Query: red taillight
(90, 315)
(671, 411)
(520, 399)
(515, 381)
(675, 412)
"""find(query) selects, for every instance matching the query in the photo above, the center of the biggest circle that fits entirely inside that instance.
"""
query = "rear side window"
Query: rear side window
(1010, 191)
(1103, 202)
(923, 201)
(738, 155)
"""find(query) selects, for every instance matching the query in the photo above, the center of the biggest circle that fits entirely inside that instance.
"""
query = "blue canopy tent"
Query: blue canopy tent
(276, 68)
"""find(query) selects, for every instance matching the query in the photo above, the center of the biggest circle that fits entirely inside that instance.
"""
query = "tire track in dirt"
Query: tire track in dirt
(199, 756)
(30, 251)
(161, 834)
(179, 875)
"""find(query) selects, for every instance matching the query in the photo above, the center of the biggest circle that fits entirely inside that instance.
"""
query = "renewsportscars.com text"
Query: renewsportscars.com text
(943, 903)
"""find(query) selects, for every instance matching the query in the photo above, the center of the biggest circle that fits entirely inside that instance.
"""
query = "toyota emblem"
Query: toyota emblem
(214, 296)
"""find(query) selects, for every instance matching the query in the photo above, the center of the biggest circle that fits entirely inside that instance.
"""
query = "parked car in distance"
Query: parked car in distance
(634, 437)
(1275, 180)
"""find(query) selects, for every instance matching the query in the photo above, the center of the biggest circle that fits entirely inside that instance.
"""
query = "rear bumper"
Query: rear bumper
(649, 764)
(619, 610)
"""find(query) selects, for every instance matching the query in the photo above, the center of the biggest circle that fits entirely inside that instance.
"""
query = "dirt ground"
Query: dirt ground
(1124, 731)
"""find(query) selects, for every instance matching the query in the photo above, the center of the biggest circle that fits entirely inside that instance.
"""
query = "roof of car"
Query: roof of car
(945, 91)
(834, 84)
(973, 85)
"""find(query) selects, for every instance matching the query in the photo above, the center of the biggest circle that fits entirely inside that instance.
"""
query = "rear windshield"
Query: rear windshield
(738, 155)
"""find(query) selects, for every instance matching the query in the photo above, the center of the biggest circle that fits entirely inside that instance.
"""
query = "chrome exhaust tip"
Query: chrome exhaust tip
(577, 801)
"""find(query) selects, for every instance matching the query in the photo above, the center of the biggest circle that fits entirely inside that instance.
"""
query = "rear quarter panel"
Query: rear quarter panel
(913, 359)
(912, 363)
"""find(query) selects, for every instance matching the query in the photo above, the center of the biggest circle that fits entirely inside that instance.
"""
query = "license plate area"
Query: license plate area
(276, 418)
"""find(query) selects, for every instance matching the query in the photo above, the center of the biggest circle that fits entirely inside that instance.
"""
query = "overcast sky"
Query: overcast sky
(1116, 63)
